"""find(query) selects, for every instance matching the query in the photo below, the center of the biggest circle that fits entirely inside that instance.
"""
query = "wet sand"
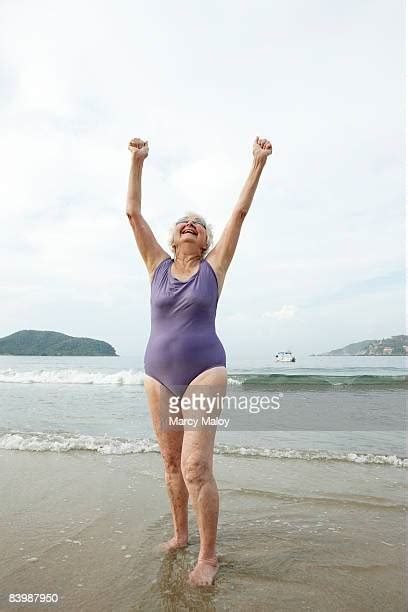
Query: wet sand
(293, 534)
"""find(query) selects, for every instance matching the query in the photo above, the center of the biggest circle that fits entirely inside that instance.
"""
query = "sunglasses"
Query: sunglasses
(193, 221)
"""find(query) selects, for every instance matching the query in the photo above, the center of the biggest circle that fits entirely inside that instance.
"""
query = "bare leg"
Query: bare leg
(197, 469)
(170, 443)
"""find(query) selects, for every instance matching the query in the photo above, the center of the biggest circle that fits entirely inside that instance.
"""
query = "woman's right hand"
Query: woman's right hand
(139, 148)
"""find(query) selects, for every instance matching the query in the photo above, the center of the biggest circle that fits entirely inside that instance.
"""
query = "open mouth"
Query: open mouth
(189, 231)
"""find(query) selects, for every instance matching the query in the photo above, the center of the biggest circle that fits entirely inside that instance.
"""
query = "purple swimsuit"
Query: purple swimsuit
(183, 341)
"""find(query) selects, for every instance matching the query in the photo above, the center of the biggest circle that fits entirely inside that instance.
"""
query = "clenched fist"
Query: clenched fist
(139, 148)
(262, 148)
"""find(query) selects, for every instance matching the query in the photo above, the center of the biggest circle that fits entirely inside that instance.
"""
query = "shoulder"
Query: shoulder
(216, 271)
(214, 263)
(159, 267)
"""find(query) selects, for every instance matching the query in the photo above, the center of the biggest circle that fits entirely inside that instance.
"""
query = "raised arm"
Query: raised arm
(221, 255)
(150, 250)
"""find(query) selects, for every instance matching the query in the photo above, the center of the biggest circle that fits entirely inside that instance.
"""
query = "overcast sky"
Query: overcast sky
(321, 255)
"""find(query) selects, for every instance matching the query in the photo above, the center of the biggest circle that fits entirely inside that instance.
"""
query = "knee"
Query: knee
(196, 470)
(172, 464)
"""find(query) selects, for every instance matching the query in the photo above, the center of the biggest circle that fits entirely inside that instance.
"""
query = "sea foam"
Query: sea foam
(67, 376)
(108, 445)
(135, 377)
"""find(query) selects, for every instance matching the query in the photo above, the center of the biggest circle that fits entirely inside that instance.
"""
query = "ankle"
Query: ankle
(209, 560)
(180, 538)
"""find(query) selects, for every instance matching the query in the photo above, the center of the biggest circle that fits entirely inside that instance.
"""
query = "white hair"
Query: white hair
(209, 230)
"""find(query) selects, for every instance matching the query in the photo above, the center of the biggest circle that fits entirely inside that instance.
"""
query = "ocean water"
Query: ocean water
(347, 409)
(313, 494)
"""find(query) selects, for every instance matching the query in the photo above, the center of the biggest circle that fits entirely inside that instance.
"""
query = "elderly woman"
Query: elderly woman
(184, 352)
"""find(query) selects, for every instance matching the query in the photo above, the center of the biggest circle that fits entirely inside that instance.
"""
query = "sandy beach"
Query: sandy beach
(84, 526)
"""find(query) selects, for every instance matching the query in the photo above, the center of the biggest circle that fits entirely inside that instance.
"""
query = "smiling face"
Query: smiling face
(192, 232)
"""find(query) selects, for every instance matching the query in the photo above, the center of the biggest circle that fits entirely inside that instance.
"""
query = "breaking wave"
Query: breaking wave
(135, 377)
(107, 445)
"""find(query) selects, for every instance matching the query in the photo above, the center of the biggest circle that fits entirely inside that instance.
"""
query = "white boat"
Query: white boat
(286, 356)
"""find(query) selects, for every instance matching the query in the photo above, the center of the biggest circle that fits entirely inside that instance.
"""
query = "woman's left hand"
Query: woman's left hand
(262, 148)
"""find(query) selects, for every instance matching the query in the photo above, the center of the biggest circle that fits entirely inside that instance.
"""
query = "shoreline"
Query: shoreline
(292, 534)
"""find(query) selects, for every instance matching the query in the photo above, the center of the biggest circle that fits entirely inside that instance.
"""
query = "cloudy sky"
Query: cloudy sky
(321, 255)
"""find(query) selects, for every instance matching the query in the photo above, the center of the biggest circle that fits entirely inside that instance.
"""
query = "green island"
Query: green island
(34, 342)
(396, 345)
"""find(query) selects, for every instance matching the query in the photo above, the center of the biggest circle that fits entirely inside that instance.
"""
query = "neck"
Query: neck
(186, 259)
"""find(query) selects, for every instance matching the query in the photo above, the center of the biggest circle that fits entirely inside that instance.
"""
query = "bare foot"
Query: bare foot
(204, 572)
(173, 544)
